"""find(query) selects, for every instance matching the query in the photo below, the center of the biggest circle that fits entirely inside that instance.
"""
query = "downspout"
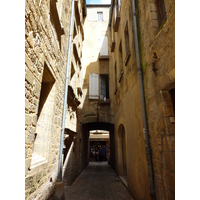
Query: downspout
(144, 116)
(59, 178)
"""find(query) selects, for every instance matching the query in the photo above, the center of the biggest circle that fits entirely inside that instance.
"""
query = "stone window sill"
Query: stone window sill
(37, 160)
(107, 101)
(105, 57)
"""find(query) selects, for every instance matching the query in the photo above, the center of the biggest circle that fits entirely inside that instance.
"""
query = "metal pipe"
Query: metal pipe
(144, 116)
(59, 178)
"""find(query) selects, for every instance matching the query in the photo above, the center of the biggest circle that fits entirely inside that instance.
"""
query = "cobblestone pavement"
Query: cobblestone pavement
(97, 181)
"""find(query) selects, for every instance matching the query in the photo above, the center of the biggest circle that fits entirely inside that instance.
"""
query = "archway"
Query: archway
(85, 146)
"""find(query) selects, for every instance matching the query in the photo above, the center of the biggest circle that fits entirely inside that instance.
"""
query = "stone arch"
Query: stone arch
(122, 157)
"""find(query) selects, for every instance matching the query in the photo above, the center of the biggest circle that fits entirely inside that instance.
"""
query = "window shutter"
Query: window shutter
(94, 86)
(104, 46)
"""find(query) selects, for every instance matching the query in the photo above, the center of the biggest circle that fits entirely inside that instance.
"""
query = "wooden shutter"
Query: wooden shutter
(94, 86)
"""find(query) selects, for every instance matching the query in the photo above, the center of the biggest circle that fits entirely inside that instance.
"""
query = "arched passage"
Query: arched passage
(122, 161)
(86, 128)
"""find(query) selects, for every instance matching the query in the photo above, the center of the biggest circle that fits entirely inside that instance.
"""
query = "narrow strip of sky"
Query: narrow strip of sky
(98, 1)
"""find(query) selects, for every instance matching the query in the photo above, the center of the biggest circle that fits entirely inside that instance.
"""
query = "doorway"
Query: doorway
(121, 149)
(99, 146)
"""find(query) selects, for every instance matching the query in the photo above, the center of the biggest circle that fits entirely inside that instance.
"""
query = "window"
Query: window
(127, 47)
(104, 87)
(98, 83)
(100, 16)
(161, 11)
(158, 14)
(44, 120)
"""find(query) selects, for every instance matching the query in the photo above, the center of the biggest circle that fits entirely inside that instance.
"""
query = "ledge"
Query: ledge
(103, 57)
(127, 57)
(107, 101)
(37, 160)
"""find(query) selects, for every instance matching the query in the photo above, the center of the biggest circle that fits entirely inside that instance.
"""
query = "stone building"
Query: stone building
(47, 25)
(103, 93)
(150, 170)
(98, 107)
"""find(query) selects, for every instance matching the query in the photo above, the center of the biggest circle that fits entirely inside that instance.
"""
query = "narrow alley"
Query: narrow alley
(97, 181)
(99, 86)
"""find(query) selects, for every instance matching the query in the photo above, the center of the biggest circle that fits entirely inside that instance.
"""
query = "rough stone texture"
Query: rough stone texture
(46, 49)
(158, 99)
(97, 181)
(157, 45)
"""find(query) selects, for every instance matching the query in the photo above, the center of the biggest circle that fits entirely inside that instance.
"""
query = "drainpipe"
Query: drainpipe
(59, 178)
(144, 116)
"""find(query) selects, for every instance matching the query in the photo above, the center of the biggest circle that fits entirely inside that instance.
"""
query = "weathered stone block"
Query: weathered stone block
(28, 119)
(33, 108)
(33, 189)
(38, 177)
(168, 110)
(29, 182)
(30, 134)
(169, 179)
(28, 62)
(27, 104)
(159, 140)
(153, 7)
(157, 163)
(156, 155)
(30, 39)
(29, 76)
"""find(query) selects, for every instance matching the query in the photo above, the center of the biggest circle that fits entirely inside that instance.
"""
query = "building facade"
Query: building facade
(98, 107)
(156, 39)
(47, 26)
(103, 93)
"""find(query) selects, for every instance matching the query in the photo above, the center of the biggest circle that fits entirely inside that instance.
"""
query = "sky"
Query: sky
(98, 1)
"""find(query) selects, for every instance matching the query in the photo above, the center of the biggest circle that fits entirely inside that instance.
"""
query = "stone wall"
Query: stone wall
(46, 36)
(156, 43)
(129, 140)
(94, 62)
(157, 50)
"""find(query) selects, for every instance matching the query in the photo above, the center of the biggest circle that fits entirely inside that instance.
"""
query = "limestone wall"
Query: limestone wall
(46, 36)
(128, 116)
(158, 63)
(156, 43)
(96, 32)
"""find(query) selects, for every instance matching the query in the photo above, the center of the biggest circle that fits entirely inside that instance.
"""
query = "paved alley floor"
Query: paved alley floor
(97, 181)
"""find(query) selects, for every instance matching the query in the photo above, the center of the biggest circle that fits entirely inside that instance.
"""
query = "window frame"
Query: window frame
(95, 90)
(99, 16)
